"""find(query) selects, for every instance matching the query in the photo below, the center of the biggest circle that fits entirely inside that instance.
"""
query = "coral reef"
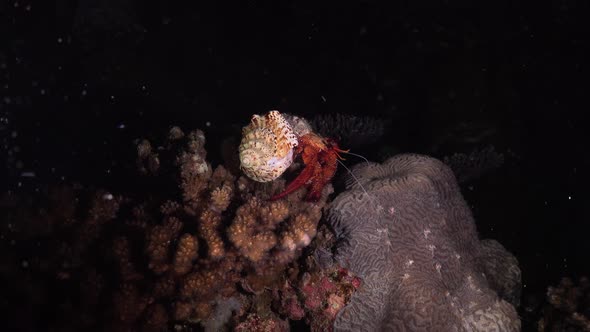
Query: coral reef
(568, 307)
(325, 294)
(200, 247)
(404, 228)
(255, 323)
(468, 167)
(317, 292)
(197, 244)
(349, 130)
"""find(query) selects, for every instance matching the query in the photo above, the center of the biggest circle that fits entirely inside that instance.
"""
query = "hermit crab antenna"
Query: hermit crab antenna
(355, 178)
(353, 154)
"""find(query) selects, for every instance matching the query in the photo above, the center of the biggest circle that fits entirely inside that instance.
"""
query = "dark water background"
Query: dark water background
(81, 81)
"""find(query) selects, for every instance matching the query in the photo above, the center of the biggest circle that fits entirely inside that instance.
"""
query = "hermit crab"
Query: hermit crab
(272, 141)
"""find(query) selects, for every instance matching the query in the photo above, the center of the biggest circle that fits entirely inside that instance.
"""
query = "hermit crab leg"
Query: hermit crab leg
(298, 182)
(326, 170)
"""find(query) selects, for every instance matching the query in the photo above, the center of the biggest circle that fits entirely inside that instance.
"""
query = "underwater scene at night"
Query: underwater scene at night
(291, 166)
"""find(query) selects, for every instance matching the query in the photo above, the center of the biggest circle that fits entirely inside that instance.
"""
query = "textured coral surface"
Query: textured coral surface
(405, 229)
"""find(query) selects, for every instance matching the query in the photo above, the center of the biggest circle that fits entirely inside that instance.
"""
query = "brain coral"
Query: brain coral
(406, 230)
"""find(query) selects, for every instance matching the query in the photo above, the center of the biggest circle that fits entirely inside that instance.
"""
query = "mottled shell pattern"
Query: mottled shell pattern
(266, 150)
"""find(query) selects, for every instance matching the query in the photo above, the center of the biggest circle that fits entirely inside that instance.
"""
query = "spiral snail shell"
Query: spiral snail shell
(266, 150)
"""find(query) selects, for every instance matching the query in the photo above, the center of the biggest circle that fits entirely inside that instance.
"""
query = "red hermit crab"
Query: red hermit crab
(270, 143)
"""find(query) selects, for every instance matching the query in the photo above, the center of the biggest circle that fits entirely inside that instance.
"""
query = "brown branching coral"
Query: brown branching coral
(261, 226)
(186, 253)
(103, 209)
(147, 160)
(122, 252)
(299, 233)
(169, 207)
(250, 234)
(156, 318)
(221, 198)
(129, 303)
(209, 223)
(568, 307)
(179, 255)
(200, 283)
(194, 169)
(159, 239)
(233, 237)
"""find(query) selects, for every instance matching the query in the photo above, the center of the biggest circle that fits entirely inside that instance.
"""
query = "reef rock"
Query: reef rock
(405, 229)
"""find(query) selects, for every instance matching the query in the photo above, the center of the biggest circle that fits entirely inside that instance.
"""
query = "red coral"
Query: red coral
(255, 323)
(325, 293)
